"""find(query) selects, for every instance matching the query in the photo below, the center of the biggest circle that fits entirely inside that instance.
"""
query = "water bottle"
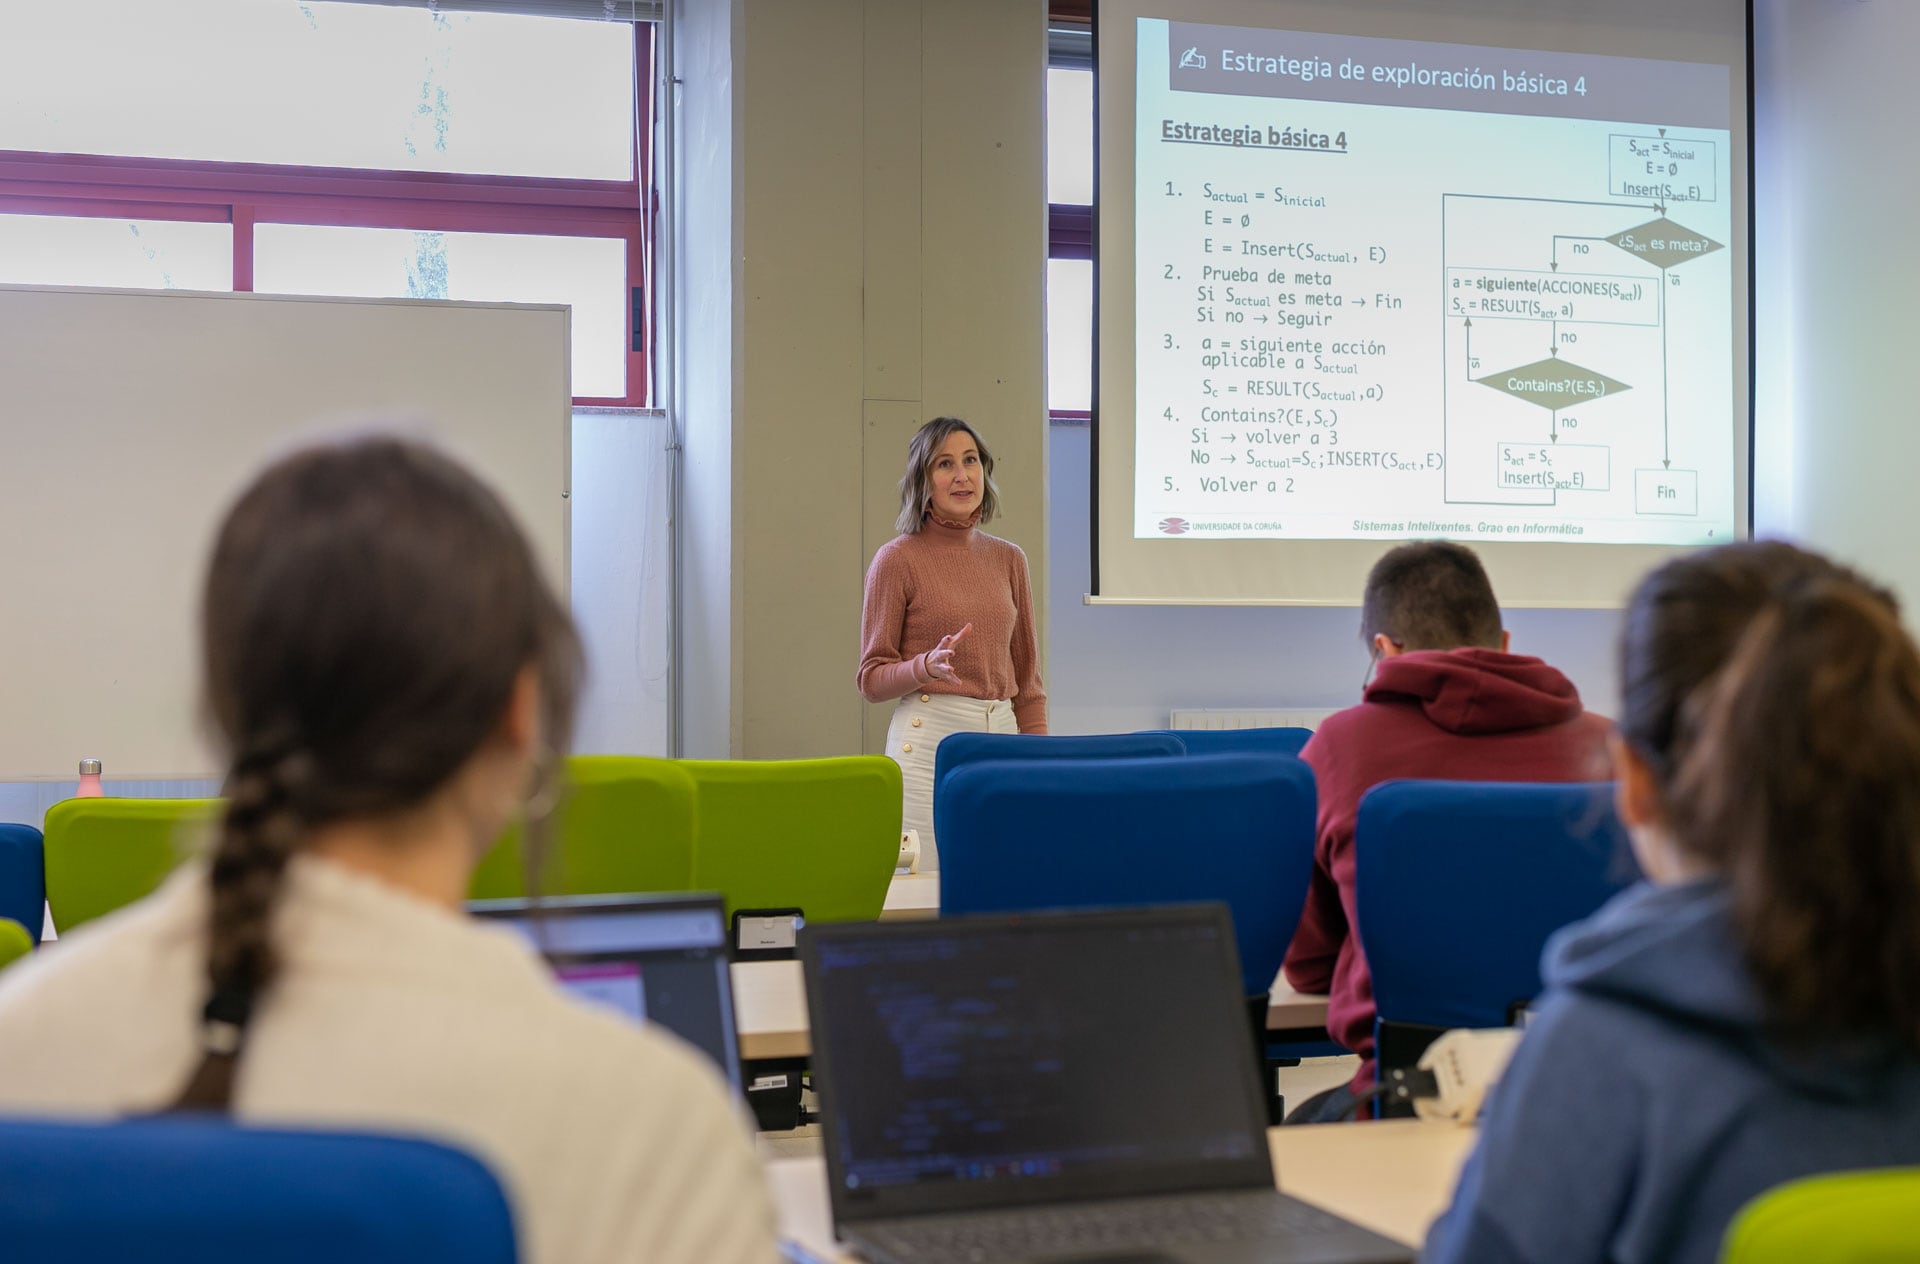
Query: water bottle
(90, 787)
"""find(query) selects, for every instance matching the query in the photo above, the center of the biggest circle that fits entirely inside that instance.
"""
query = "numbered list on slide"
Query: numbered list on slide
(1389, 289)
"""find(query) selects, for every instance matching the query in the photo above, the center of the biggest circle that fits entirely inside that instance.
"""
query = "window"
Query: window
(1070, 196)
(138, 254)
(313, 147)
(321, 85)
(1070, 136)
(1069, 336)
(587, 272)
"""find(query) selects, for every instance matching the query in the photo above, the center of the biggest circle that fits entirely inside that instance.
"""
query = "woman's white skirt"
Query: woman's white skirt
(920, 723)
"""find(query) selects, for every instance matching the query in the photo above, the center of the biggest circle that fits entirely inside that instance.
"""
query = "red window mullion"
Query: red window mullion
(641, 247)
(242, 248)
(640, 341)
(30, 201)
(191, 179)
(444, 217)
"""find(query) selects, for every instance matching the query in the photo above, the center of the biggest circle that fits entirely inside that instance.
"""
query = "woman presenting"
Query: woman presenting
(947, 627)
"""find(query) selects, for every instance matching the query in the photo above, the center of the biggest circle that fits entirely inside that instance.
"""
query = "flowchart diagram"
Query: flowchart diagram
(1566, 339)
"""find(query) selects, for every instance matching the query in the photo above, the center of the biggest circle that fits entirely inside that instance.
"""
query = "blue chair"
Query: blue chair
(1032, 834)
(968, 748)
(1459, 885)
(1277, 741)
(1099, 833)
(23, 878)
(183, 1191)
(1289, 1049)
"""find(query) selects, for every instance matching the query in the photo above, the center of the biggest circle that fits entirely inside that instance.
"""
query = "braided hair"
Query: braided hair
(368, 608)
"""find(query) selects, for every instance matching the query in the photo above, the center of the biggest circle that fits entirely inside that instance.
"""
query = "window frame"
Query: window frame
(1070, 226)
(246, 194)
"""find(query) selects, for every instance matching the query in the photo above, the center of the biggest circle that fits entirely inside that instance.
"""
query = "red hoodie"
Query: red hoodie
(1453, 715)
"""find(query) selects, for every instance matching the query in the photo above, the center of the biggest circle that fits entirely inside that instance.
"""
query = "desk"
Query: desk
(1393, 1177)
(770, 1002)
(916, 896)
(912, 897)
(770, 1009)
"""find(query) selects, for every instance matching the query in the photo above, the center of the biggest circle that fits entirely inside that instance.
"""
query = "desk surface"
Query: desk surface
(770, 1009)
(912, 896)
(1393, 1177)
(770, 1003)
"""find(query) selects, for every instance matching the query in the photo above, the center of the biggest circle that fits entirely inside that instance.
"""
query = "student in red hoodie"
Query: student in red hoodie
(1446, 701)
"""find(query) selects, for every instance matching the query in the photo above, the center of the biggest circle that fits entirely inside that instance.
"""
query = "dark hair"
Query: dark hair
(916, 487)
(1776, 698)
(368, 608)
(1430, 595)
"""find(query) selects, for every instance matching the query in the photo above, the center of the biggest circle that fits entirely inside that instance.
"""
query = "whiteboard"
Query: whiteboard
(129, 421)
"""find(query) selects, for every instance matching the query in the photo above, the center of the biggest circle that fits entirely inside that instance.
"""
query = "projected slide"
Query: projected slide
(1389, 289)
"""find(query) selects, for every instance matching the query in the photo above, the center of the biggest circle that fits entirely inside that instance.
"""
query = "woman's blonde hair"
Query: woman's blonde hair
(916, 485)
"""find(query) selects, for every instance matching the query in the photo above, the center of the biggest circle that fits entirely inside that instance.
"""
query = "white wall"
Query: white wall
(1838, 176)
(619, 582)
(707, 314)
(1115, 668)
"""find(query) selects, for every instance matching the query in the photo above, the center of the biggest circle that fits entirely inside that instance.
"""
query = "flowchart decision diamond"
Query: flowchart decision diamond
(1554, 384)
(1663, 243)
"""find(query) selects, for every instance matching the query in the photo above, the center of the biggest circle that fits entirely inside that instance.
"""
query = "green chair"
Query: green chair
(819, 835)
(15, 942)
(1867, 1217)
(625, 824)
(106, 853)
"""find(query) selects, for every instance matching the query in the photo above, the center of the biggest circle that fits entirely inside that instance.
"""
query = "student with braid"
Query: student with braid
(1752, 1013)
(392, 679)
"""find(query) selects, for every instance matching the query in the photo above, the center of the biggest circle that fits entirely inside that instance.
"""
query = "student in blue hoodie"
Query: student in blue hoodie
(1752, 1013)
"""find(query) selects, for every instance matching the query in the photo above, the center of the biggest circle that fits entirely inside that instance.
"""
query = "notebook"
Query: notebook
(655, 958)
(1059, 1086)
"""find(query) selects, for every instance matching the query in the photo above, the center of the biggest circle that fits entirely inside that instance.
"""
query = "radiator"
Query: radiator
(1236, 718)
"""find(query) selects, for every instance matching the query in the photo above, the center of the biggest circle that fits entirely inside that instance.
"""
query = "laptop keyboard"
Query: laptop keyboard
(1039, 1232)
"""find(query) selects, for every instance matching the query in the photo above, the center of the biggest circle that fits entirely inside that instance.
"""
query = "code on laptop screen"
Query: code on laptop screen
(1036, 1053)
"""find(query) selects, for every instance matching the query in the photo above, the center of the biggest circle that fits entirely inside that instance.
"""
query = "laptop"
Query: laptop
(1051, 1087)
(655, 958)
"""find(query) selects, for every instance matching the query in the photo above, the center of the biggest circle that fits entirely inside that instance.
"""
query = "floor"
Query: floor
(1299, 1083)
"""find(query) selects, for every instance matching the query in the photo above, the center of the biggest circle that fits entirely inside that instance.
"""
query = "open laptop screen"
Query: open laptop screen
(658, 959)
(993, 1061)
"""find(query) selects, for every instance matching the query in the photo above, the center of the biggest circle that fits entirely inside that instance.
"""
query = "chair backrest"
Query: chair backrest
(962, 749)
(624, 825)
(1459, 885)
(15, 942)
(23, 877)
(819, 835)
(1274, 741)
(1870, 1217)
(1027, 834)
(102, 854)
(171, 1191)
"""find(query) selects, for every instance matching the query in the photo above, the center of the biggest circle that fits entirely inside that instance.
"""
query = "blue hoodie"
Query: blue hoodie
(1646, 1105)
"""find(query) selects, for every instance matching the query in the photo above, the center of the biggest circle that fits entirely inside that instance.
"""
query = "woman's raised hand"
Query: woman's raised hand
(940, 657)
